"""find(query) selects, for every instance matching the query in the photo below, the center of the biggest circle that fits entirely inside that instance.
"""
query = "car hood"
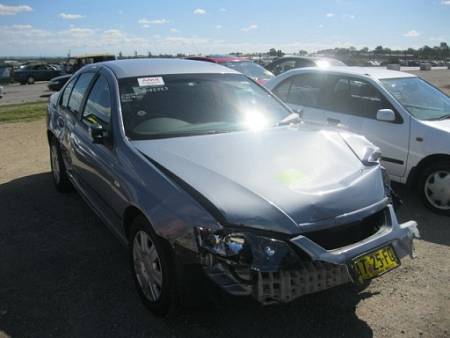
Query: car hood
(279, 179)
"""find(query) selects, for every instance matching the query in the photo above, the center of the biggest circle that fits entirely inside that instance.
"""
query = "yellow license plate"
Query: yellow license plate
(375, 263)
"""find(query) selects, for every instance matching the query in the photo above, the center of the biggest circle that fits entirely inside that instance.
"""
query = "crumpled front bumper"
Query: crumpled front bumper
(284, 270)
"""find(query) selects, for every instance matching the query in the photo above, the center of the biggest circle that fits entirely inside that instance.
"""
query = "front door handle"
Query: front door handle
(60, 122)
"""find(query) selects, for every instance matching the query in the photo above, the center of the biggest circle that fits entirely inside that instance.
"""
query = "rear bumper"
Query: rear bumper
(302, 266)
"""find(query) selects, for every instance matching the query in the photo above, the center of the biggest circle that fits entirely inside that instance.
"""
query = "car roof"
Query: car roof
(371, 72)
(312, 58)
(218, 58)
(148, 67)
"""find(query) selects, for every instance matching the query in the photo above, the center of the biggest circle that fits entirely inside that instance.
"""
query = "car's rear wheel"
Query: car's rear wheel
(30, 80)
(153, 267)
(434, 185)
(59, 174)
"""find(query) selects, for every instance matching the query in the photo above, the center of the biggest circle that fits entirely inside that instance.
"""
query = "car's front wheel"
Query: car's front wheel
(153, 268)
(30, 80)
(59, 174)
(434, 185)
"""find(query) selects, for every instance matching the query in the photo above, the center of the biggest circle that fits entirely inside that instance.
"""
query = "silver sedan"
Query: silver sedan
(204, 173)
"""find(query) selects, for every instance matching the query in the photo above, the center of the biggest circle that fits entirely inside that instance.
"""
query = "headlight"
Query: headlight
(246, 248)
(219, 242)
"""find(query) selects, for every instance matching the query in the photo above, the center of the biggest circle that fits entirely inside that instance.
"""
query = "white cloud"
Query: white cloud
(320, 26)
(199, 11)
(153, 22)
(146, 22)
(446, 2)
(348, 16)
(174, 30)
(22, 26)
(13, 10)
(219, 26)
(223, 10)
(412, 34)
(438, 38)
(67, 16)
(330, 15)
(250, 28)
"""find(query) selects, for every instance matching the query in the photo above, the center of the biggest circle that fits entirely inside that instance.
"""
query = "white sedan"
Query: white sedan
(405, 116)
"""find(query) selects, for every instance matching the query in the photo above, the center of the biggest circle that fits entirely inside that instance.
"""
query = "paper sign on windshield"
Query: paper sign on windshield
(151, 81)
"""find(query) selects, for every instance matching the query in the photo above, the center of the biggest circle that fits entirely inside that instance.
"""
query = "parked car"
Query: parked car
(1, 92)
(73, 64)
(408, 118)
(242, 65)
(285, 63)
(203, 172)
(35, 72)
(58, 82)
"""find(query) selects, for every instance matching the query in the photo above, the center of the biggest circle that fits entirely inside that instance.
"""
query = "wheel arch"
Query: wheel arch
(130, 213)
(50, 136)
(424, 163)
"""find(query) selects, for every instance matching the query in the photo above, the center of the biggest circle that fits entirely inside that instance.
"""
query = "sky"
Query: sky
(57, 27)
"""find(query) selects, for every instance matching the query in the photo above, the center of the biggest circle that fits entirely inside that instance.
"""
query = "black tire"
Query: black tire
(167, 304)
(59, 174)
(427, 176)
(30, 80)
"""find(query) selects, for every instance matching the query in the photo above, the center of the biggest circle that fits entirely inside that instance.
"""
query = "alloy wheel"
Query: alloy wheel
(147, 266)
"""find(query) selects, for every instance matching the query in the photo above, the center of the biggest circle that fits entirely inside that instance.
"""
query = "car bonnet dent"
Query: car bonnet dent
(292, 176)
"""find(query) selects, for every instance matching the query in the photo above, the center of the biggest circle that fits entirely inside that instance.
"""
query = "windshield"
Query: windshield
(421, 99)
(194, 104)
(250, 69)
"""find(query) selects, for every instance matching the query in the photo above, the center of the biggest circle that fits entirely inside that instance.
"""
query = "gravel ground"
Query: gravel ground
(440, 78)
(63, 274)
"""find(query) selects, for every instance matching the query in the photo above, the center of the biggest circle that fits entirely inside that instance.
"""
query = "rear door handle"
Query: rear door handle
(333, 121)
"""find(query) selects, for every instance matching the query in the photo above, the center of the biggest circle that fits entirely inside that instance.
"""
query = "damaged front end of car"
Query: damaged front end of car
(275, 268)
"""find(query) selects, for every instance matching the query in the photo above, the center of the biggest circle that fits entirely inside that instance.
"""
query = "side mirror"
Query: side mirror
(98, 133)
(386, 115)
(298, 111)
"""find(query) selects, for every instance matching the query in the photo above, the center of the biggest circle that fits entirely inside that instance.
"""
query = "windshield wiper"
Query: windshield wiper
(293, 118)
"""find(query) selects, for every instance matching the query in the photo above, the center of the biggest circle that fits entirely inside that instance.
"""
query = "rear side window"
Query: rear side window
(282, 90)
(76, 98)
(98, 104)
(302, 90)
(301, 63)
(283, 66)
(66, 93)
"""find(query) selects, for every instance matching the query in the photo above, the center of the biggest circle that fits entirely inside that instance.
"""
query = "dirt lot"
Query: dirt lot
(63, 274)
(440, 78)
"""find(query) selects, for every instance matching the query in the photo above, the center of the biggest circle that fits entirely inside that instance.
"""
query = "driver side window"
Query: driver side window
(98, 105)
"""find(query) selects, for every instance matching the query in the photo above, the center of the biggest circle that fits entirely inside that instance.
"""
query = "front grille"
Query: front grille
(347, 234)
